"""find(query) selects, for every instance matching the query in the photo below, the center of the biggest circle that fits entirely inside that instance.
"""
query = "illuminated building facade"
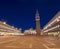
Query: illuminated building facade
(6, 29)
(30, 32)
(53, 26)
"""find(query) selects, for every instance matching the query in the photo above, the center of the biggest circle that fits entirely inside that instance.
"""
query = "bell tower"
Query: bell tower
(37, 17)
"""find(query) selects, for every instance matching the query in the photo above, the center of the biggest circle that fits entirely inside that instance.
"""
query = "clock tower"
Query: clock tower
(37, 17)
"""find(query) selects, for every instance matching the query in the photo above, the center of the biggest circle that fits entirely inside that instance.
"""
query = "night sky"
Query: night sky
(21, 13)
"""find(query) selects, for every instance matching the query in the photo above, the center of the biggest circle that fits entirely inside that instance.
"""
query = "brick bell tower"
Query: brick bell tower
(37, 17)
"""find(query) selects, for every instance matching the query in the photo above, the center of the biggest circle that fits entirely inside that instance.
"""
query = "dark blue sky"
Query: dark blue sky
(21, 13)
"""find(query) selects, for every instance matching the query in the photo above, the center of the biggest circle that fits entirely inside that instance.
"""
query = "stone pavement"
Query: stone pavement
(29, 42)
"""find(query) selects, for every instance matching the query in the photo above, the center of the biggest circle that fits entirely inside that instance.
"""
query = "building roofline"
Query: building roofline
(55, 16)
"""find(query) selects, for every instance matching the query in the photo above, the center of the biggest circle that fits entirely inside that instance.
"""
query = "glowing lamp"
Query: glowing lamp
(57, 20)
(59, 17)
(4, 22)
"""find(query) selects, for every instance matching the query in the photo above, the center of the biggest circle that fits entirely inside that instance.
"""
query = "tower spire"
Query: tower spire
(37, 15)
